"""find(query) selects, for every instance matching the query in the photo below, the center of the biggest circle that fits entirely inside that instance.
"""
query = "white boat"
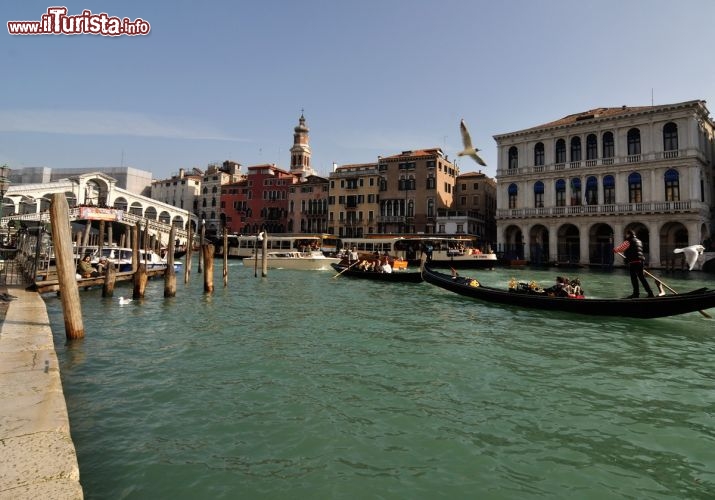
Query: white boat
(122, 259)
(244, 247)
(307, 261)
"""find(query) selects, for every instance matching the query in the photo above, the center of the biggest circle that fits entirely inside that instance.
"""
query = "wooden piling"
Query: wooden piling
(87, 229)
(264, 257)
(189, 251)
(110, 278)
(201, 245)
(66, 270)
(100, 240)
(140, 275)
(208, 253)
(225, 256)
(170, 273)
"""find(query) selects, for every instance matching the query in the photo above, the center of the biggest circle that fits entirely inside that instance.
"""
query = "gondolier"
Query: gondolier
(632, 248)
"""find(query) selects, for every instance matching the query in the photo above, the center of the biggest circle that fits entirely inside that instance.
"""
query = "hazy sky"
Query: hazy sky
(217, 80)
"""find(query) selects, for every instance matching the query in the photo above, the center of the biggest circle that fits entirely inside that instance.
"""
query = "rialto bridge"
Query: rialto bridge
(32, 202)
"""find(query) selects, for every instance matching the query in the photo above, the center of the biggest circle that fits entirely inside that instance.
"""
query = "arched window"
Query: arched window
(560, 193)
(591, 147)
(670, 137)
(672, 185)
(513, 158)
(539, 154)
(591, 191)
(560, 151)
(575, 183)
(539, 194)
(575, 149)
(609, 190)
(512, 191)
(635, 188)
(609, 146)
(634, 142)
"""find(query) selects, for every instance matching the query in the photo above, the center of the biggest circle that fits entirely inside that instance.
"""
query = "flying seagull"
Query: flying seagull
(469, 150)
(691, 254)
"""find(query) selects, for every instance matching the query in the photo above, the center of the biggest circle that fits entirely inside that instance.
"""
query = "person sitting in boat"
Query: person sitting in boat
(386, 267)
(85, 268)
(560, 289)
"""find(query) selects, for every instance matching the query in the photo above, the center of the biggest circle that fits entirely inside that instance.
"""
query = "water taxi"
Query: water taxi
(245, 246)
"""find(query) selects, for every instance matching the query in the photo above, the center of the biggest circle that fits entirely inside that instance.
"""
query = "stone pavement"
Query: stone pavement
(37, 455)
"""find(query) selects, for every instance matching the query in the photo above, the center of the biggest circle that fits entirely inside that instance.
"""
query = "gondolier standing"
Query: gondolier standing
(632, 248)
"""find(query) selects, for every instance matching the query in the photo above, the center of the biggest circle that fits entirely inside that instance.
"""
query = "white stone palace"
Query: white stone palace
(567, 190)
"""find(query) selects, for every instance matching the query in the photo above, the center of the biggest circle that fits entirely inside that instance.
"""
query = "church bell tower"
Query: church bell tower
(300, 152)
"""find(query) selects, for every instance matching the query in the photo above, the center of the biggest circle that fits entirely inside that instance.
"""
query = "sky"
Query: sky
(217, 80)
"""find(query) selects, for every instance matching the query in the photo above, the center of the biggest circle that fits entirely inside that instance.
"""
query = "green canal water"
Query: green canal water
(304, 386)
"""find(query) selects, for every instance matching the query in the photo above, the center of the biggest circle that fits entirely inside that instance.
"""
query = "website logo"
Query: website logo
(56, 21)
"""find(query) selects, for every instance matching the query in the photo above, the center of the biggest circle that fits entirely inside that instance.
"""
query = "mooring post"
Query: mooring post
(208, 252)
(202, 235)
(85, 239)
(66, 271)
(189, 251)
(225, 256)
(264, 257)
(110, 278)
(170, 273)
(140, 276)
(255, 255)
(100, 240)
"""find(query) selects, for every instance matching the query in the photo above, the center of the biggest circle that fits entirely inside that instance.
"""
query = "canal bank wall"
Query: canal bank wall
(37, 455)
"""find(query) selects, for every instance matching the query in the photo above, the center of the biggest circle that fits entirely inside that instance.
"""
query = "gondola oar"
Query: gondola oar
(341, 272)
(658, 280)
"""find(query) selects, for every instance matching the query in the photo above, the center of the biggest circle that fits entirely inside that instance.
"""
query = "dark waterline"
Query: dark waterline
(300, 385)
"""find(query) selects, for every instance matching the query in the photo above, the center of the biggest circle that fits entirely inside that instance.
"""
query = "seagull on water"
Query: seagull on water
(123, 301)
(469, 150)
(691, 254)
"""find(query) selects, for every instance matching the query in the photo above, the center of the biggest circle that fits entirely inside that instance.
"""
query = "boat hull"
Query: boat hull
(655, 307)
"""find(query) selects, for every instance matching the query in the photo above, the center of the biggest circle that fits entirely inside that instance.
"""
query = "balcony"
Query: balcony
(610, 209)
(575, 165)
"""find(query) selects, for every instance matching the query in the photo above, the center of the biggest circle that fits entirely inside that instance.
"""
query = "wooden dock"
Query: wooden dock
(51, 284)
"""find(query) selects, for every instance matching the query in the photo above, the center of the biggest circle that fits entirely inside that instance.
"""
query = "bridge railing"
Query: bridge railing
(127, 218)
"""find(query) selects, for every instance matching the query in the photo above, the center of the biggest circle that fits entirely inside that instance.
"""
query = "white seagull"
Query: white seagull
(691, 254)
(469, 150)
(123, 301)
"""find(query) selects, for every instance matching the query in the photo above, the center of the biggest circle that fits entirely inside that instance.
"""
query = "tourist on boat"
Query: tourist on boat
(85, 268)
(386, 267)
(353, 256)
(632, 250)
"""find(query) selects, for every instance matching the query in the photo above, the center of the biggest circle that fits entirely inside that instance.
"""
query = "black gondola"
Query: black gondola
(655, 307)
(397, 276)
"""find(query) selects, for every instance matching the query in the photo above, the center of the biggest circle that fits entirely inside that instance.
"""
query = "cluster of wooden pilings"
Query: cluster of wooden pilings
(65, 263)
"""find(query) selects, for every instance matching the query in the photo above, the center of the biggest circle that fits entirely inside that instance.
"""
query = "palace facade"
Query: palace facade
(567, 190)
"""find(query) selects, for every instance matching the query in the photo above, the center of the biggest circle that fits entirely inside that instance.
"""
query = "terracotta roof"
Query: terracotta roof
(413, 153)
(601, 113)
(595, 113)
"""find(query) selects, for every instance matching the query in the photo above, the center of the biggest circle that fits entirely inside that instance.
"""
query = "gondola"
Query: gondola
(655, 307)
(397, 276)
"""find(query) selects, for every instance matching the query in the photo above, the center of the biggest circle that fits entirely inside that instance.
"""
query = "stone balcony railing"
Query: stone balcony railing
(628, 160)
(610, 209)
